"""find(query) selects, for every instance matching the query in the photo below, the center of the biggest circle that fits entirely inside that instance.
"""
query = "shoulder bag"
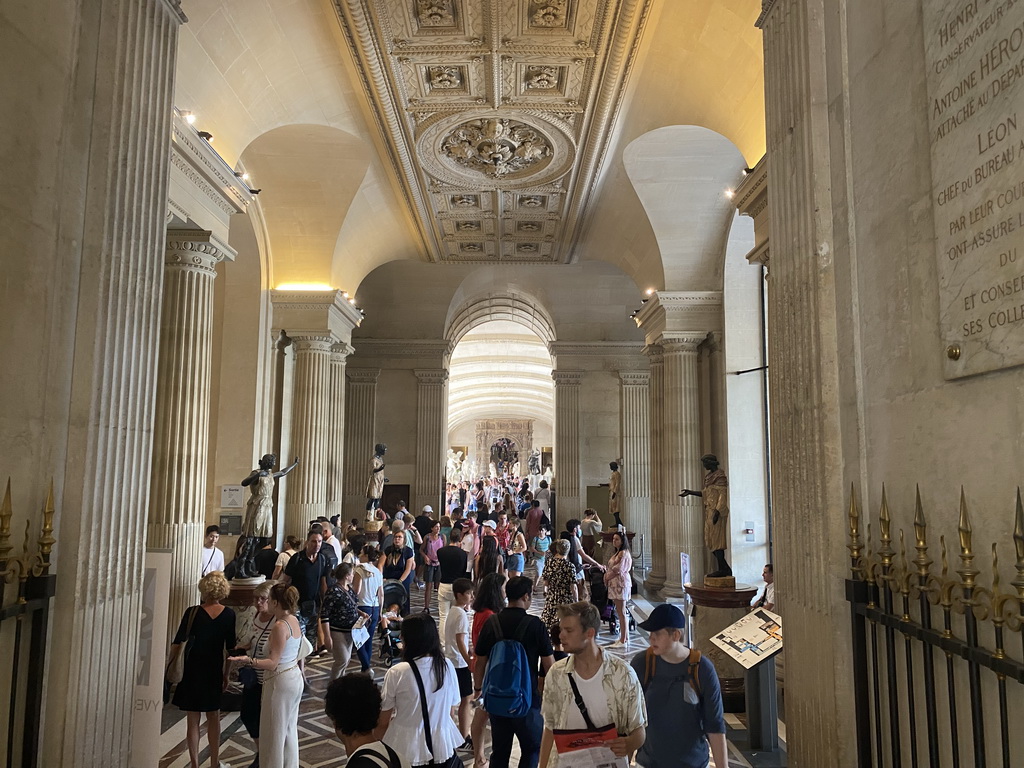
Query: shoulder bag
(571, 739)
(176, 666)
(452, 762)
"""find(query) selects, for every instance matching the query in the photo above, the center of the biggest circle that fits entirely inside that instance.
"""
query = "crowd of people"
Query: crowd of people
(346, 588)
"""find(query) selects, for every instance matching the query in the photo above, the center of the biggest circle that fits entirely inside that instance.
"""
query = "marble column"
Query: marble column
(360, 423)
(567, 445)
(680, 460)
(656, 390)
(636, 461)
(336, 434)
(306, 497)
(431, 435)
(177, 503)
(719, 427)
(118, 124)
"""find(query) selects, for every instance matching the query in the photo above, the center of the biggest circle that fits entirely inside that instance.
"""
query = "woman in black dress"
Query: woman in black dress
(210, 636)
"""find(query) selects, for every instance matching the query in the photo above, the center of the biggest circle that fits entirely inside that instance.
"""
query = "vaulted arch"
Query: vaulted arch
(512, 306)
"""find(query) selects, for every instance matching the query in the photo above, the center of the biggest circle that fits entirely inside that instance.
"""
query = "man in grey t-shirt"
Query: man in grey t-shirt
(684, 700)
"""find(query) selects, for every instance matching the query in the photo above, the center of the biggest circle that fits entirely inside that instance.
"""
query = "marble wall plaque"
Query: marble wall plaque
(974, 52)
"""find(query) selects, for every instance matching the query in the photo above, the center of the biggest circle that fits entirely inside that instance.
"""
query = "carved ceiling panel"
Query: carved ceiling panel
(496, 114)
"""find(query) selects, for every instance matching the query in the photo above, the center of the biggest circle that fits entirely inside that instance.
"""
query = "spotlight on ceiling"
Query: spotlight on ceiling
(730, 194)
(255, 191)
(649, 291)
(190, 117)
(206, 135)
(747, 171)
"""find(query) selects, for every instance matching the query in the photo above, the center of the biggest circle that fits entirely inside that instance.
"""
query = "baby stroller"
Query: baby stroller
(390, 637)
(599, 598)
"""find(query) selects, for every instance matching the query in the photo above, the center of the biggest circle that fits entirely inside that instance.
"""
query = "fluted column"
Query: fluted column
(681, 467)
(311, 430)
(431, 435)
(719, 427)
(177, 503)
(336, 434)
(656, 391)
(360, 422)
(119, 114)
(567, 444)
(636, 461)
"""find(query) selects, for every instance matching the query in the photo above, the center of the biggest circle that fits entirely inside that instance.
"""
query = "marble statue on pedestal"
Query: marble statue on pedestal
(375, 485)
(614, 501)
(259, 511)
(533, 463)
(453, 466)
(715, 493)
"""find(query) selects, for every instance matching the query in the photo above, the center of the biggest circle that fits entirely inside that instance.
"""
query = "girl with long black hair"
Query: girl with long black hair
(419, 697)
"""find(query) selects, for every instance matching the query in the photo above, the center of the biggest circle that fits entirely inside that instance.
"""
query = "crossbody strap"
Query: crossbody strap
(580, 703)
(423, 706)
(392, 760)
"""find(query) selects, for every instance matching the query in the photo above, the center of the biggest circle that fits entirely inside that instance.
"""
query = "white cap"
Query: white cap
(489, 524)
(427, 508)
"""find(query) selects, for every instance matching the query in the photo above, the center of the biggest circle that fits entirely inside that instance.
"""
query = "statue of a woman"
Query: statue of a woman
(259, 511)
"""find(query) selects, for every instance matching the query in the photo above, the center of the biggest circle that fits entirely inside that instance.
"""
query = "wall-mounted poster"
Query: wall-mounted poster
(232, 497)
(752, 639)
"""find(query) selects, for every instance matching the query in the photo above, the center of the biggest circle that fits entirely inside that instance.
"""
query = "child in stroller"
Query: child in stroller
(391, 622)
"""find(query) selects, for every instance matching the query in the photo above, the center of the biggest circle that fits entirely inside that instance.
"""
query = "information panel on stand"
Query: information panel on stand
(974, 52)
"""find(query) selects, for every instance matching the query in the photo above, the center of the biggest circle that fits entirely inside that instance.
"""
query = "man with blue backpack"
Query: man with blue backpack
(510, 650)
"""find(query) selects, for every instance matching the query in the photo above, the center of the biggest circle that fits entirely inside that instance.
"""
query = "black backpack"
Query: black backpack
(368, 758)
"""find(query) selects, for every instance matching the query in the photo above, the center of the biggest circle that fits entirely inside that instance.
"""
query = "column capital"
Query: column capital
(674, 313)
(635, 378)
(309, 342)
(429, 376)
(682, 342)
(567, 378)
(766, 9)
(340, 352)
(363, 375)
(315, 313)
(195, 249)
(655, 353)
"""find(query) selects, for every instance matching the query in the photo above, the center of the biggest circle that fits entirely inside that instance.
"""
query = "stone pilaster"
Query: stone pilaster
(718, 416)
(177, 504)
(311, 431)
(656, 390)
(681, 467)
(336, 434)
(431, 435)
(119, 108)
(360, 422)
(636, 460)
(567, 444)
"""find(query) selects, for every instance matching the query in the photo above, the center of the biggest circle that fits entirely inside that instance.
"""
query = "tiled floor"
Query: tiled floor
(318, 745)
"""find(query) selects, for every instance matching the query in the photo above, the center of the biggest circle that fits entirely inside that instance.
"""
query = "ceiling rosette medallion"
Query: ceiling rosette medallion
(496, 115)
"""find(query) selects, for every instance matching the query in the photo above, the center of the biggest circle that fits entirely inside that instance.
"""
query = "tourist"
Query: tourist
(456, 642)
(282, 684)
(204, 633)
(590, 530)
(490, 598)
(767, 599)
(503, 533)
(578, 557)
(257, 647)
(432, 542)
(397, 525)
(292, 544)
(515, 564)
(684, 719)
(591, 690)
(515, 622)
(212, 557)
(401, 511)
(353, 704)
(307, 571)
(560, 578)
(619, 582)
(398, 562)
(539, 546)
(423, 680)
(453, 562)
(489, 560)
(266, 557)
(446, 526)
(354, 545)
(369, 585)
(329, 538)
(341, 613)
(543, 495)
(534, 519)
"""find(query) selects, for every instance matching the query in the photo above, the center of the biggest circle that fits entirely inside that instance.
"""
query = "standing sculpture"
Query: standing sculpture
(533, 463)
(375, 486)
(715, 494)
(613, 484)
(259, 512)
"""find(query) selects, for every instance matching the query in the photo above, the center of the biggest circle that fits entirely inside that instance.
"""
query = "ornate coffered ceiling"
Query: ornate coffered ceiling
(496, 114)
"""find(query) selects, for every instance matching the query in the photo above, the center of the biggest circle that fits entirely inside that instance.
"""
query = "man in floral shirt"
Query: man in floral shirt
(607, 685)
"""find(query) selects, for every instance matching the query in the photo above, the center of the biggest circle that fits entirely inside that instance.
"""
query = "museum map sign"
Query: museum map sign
(975, 59)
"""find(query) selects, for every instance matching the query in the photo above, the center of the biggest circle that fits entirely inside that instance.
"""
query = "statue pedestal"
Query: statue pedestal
(716, 608)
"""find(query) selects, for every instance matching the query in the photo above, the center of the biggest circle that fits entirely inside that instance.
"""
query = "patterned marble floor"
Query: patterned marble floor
(318, 745)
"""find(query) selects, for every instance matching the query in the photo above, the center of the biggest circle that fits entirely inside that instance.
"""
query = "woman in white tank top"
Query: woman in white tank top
(282, 683)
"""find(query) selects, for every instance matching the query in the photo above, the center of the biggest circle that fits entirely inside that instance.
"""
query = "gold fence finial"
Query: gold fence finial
(46, 539)
(966, 570)
(885, 551)
(922, 561)
(6, 512)
(855, 546)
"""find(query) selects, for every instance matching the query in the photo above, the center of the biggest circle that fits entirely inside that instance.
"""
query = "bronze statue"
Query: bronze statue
(613, 485)
(375, 486)
(259, 512)
(715, 493)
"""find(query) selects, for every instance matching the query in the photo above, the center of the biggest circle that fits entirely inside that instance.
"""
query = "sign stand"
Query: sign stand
(762, 707)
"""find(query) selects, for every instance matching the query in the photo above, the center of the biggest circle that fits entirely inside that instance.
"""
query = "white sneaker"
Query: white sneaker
(616, 644)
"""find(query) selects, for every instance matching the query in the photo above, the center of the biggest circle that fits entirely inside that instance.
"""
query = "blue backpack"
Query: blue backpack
(508, 689)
